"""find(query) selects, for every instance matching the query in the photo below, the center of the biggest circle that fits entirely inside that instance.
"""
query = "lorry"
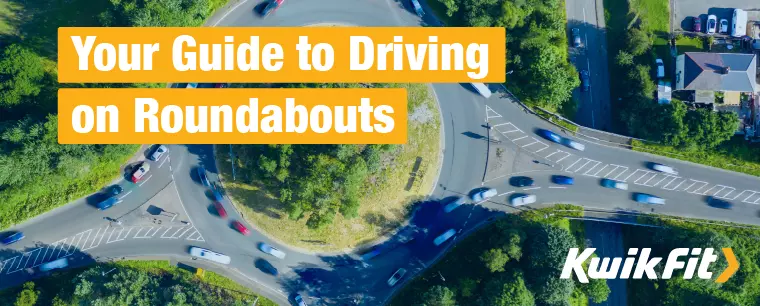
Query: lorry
(418, 8)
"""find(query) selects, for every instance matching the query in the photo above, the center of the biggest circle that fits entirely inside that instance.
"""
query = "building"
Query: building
(727, 72)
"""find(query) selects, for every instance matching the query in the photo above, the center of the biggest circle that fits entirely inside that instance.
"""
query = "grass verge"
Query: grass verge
(689, 44)
(733, 155)
(386, 202)
(555, 119)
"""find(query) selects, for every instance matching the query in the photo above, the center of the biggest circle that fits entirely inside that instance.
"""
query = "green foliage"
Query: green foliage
(28, 296)
(546, 252)
(507, 290)
(439, 296)
(21, 75)
(494, 260)
(624, 58)
(164, 13)
(638, 41)
(597, 290)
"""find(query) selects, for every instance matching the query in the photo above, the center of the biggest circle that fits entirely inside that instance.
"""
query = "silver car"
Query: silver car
(614, 184)
(573, 144)
(55, 264)
(523, 200)
(664, 169)
(484, 195)
(159, 152)
(396, 277)
(271, 250)
(454, 204)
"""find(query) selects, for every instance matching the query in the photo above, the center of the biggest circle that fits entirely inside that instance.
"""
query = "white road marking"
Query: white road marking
(145, 181)
(532, 188)
(163, 162)
(519, 138)
(674, 188)
(514, 128)
(557, 187)
(126, 194)
(506, 193)
(488, 109)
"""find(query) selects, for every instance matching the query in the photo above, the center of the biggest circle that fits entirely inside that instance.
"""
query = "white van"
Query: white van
(482, 89)
(739, 23)
(209, 255)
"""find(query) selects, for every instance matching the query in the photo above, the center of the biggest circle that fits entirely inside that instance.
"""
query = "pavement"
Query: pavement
(474, 128)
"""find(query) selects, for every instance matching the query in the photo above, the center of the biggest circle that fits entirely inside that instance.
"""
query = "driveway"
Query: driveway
(683, 10)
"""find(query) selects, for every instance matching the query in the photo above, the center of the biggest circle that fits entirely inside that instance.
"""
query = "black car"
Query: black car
(266, 267)
(718, 203)
(115, 190)
(522, 181)
(585, 80)
(271, 6)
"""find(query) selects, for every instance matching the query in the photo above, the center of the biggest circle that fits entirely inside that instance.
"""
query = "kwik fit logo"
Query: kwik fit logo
(646, 265)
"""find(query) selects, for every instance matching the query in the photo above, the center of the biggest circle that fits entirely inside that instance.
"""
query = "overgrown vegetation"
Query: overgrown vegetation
(309, 195)
(131, 283)
(741, 289)
(516, 260)
(36, 173)
(536, 45)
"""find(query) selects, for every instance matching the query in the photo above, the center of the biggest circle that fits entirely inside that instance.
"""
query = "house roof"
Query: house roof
(704, 71)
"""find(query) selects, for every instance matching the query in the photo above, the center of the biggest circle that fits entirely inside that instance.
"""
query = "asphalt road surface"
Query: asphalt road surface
(79, 232)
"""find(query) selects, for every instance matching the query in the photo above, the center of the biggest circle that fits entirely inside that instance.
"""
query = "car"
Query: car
(585, 80)
(712, 24)
(217, 195)
(522, 181)
(484, 195)
(372, 253)
(12, 238)
(521, 200)
(267, 267)
(453, 204)
(576, 37)
(398, 275)
(660, 68)
(573, 144)
(614, 184)
(562, 180)
(55, 264)
(270, 7)
(723, 26)
(158, 153)
(115, 190)
(696, 24)
(209, 255)
(220, 209)
(549, 135)
(648, 199)
(299, 300)
(140, 171)
(202, 177)
(220, 85)
(664, 169)
(271, 250)
(192, 85)
(443, 237)
(107, 203)
(241, 228)
(719, 203)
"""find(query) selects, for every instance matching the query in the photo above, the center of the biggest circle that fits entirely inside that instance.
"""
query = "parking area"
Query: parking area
(684, 10)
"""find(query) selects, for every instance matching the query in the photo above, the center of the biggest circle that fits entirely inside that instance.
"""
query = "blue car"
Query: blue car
(13, 238)
(648, 199)
(562, 180)
(550, 136)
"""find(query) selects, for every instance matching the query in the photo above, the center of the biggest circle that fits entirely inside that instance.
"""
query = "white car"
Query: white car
(614, 184)
(192, 85)
(445, 236)
(484, 195)
(396, 277)
(210, 255)
(573, 144)
(523, 200)
(55, 264)
(723, 26)
(454, 204)
(159, 152)
(271, 250)
(712, 24)
(664, 169)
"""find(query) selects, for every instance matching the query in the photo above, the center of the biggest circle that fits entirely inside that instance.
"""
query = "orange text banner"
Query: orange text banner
(232, 115)
(281, 55)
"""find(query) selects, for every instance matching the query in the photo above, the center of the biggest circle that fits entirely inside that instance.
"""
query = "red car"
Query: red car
(140, 172)
(697, 24)
(241, 228)
(220, 210)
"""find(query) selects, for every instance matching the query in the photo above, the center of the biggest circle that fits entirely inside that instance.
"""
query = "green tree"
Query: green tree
(638, 41)
(547, 250)
(451, 7)
(597, 290)
(639, 82)
(21, 75)
(28, 295)
(494, 260)
(624, 58)
(438, 296)
(467, 287)
(507, 290)
(709, 129)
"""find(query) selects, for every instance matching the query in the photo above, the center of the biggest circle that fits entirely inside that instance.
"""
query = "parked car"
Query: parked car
(271, 250)
(12, 238)
(443, 237)
(398, 275)
(220, 211)
(454, 204)
(140, 171)
(524, 199)
(660, 68)
(664, 169)
(585, 80)
(299, 300)
(158, 152)
(209, 255)
(723, 26)
(192, 85)
(576, 37)
(115, 190)
(522, 181)
(202, 177)
(241, 228)
(719, 203)
(573, 144)
(550, 136)
(107, 203)
(712, 24)
(697, 24)
(614, 184)
(562, 180)
(648, 199)
(270, 7)
(484, 195)
(55, 264)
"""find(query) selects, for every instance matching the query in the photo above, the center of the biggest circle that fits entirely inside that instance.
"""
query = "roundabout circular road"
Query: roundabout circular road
(474, 128)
